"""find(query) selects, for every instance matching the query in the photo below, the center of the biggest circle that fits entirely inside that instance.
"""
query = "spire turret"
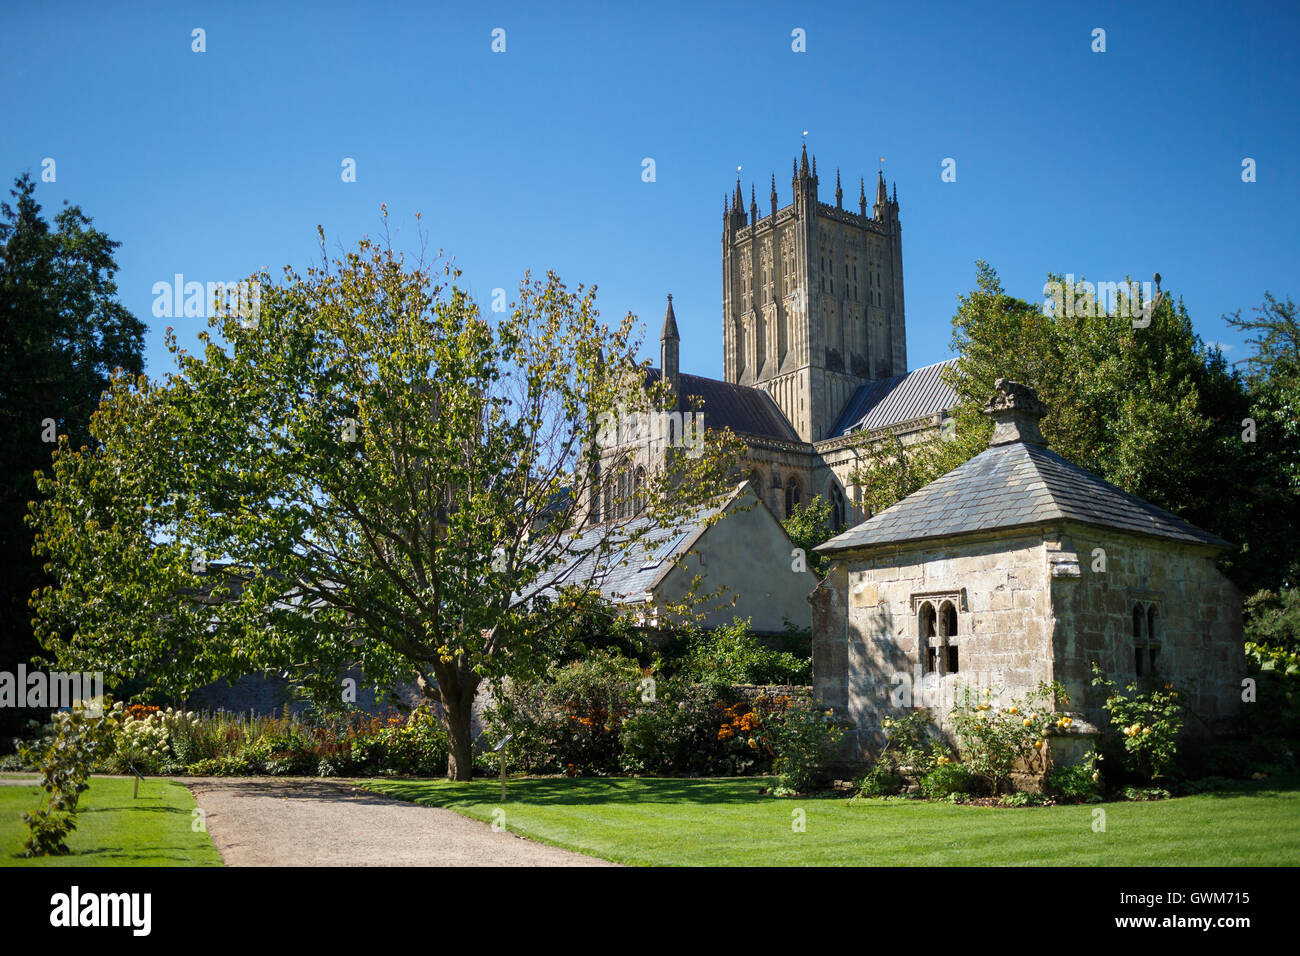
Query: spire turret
(862, 195)
(670, 347)
(774, 194)
(881, 208)
(839, 193)
(753, 204)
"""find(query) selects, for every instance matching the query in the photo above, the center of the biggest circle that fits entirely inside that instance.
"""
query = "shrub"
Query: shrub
(680, 732)
(946, 779)
(802, 738)
(221, 767)
(1149, 723)
(1078, 782)
(732, 654)
(569, 721)
(992, 741)
(1022, 799)
(879, 781)
(1144, 793)
(911, 750)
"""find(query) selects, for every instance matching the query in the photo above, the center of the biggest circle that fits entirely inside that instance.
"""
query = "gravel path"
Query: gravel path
(314, 822)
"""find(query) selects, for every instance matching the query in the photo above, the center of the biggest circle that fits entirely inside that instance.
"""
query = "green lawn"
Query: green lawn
(112, 828)
(727, 822)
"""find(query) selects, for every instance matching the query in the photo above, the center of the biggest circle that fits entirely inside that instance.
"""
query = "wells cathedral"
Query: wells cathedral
(815, 342)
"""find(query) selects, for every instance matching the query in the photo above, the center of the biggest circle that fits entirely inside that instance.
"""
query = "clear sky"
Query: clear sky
(220, 163)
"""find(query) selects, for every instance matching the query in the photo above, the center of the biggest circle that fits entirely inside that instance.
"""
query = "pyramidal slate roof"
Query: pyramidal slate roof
(902, 398)
(742, 408)
(1011, 485)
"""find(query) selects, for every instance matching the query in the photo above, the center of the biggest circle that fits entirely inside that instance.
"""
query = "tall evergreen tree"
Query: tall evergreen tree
(1145, 404)
(62, 332)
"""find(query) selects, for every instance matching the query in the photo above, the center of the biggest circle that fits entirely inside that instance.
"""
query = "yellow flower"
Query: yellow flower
(1146, 730)
(1013, 710)
(1027, 722)
(1038, 745)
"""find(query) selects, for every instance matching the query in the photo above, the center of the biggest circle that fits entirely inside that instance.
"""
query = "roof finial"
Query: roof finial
(669, 332)
(1016, 410)
(839, 193)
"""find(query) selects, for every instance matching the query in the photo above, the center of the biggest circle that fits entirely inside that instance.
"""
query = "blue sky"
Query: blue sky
(220, 163)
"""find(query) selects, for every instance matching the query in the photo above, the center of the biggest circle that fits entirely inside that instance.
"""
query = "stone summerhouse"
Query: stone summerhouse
(1014, 568)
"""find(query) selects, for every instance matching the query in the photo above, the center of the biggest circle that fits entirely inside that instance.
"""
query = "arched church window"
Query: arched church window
(838, 516)
(638, 492)
(792, 496)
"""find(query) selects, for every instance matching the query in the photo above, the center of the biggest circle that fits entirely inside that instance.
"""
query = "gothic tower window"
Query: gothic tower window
(837, 507)
(638, 493)
(792, 496)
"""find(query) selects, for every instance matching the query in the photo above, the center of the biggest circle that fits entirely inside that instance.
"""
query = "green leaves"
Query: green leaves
(373, 474)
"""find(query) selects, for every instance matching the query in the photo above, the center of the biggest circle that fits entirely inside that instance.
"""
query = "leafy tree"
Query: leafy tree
(1273, 620)
(377, 473)
(809, 526)
(62, 333)
(1272, 484)
(1151, 409)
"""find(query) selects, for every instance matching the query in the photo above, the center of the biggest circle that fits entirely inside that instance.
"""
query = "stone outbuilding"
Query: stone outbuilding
(736, 558)
(1015, 568)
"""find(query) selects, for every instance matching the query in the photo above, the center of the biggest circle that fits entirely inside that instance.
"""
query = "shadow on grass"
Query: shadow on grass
(130, 807)
(579, 791)
(1274, 787)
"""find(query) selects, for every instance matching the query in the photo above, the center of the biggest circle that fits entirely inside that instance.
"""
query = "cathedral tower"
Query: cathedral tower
(812, 298)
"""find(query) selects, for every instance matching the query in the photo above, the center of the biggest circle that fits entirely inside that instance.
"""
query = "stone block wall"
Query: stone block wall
(867, 649)
(1197, 620)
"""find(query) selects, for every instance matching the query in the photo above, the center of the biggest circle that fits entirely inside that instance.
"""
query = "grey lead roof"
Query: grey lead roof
(625, 571)
(743, 409)
(1011, 485)
(902, 398)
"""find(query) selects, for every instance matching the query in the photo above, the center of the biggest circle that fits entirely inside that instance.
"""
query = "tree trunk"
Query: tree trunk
(460, 739)
(456, 692)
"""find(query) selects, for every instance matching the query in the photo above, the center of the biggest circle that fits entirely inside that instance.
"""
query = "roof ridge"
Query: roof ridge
(1017, 485)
